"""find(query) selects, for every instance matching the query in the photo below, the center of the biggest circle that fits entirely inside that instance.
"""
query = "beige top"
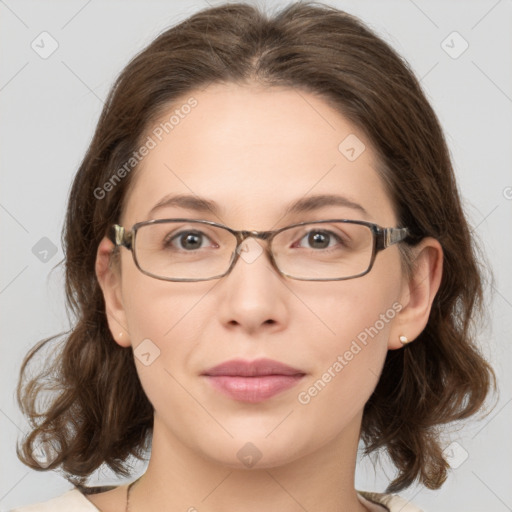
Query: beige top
(75, 501)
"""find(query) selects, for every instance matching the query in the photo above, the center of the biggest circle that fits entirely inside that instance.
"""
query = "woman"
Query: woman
(268, 262)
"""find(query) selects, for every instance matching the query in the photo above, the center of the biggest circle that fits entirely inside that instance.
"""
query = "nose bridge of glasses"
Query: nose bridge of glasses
(242, 236)
(251, 251)
(262, 235)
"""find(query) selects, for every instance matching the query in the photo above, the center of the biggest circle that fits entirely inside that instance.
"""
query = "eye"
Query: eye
(186, 240)
(320, 239)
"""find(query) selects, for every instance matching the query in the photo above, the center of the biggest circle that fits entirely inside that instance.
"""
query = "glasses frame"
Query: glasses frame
(382, 239)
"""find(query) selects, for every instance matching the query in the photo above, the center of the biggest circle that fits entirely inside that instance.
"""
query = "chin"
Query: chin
(254, 449)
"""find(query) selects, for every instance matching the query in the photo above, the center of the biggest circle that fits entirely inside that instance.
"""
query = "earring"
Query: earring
(404, 340)
(120, 335)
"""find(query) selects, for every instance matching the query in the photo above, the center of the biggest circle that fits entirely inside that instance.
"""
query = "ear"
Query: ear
(418, 292)
(108, 273)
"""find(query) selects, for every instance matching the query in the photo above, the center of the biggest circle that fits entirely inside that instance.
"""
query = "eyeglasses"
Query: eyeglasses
(201, 250)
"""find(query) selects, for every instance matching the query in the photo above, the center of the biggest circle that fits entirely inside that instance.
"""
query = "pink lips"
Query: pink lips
(253, 381)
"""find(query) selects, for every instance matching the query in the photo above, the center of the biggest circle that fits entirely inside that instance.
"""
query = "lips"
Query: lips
(257, 368)
(252, 381)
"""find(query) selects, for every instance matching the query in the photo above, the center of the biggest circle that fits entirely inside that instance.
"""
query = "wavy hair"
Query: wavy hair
(98, 413)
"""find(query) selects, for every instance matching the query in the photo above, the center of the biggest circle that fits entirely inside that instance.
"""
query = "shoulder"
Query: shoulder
(389, 502)
(70, 501)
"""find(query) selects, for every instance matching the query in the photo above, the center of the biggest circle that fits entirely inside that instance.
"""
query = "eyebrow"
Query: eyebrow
(306, 204)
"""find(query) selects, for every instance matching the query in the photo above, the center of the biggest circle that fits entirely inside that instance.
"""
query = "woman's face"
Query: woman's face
(253, 152)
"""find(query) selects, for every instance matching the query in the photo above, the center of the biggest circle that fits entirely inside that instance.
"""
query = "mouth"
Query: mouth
(252, 381)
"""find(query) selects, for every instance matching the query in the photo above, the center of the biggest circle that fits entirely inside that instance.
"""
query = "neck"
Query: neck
(177, 478)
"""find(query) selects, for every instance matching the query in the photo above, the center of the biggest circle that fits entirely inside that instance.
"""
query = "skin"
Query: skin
(253, 150)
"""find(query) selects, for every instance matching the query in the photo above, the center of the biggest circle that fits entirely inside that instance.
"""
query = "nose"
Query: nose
(253, 295)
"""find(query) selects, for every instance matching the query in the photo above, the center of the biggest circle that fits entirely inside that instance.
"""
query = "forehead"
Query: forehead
(254, 150)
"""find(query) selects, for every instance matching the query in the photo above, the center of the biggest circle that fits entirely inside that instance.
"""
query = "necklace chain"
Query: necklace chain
(128, 491)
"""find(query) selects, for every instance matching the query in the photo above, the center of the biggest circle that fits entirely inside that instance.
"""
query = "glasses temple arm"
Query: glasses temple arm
(390, 236)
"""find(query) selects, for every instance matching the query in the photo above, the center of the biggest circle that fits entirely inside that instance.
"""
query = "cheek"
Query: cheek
(164, 320)
(157, 316)
(349, 357)
(163, 324)
(156, 309)
(359, 336)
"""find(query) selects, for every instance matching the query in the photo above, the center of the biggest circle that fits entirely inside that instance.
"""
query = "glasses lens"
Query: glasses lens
(330, 250)
(183, 250)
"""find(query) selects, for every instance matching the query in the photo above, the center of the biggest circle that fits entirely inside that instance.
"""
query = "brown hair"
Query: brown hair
(100, 413)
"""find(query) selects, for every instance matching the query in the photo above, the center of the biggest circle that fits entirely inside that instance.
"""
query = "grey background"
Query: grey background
(50, 108)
